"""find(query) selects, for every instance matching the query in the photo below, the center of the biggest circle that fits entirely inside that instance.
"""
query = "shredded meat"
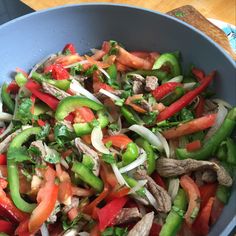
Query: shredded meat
(39, 144)
(171, 167)
(82, 147)
(54, 91)
(138, 77)
(99, 95)
(145, 105)
(151, 83)
(162, 197)
(6, 142)
(142, 228)
(127, 215)
(137, 87)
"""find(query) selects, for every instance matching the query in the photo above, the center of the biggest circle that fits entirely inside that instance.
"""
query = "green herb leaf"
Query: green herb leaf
(114, 127)
(186, 114)
(44, 133)
(115, 231)
(62, 135)
(94, 123)
(34, 152)
(18, 154)
(88, 162)
(150, 118)
(90, 71)
(53, 157)
(108, 158)
(76, 69)
(71, 224)
(23, 112)
(120, 102)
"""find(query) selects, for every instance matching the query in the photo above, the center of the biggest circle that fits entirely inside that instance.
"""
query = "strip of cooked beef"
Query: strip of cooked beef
(54, 91)
(151, 83)
(127, 215)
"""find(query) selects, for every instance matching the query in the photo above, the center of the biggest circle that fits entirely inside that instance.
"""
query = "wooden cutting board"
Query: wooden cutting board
(193, 17)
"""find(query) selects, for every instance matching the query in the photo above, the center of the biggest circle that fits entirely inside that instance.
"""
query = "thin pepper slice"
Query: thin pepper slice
(223, 193)
(13, 175)
(130, 115)
(185, 100)
(70, 104)
(170, 60)
(63, 84)
(130, 154)
(85, 128)
(120, 140)
(175, 217)
(164, 89)
(6, 99)
(193, 193)
(209, 147)
(150, 154)
(173, 96)
(87, 176)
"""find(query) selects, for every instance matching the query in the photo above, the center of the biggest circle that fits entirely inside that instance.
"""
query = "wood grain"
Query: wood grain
(218, 9)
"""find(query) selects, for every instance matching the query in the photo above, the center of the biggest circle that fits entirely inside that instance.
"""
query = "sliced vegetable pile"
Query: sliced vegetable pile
(113, 143)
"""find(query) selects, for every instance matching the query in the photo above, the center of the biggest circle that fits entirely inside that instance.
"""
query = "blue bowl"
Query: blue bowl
(26, 40)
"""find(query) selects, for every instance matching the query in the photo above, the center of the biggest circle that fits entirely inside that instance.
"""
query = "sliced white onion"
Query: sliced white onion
(77, 63)
(83, 234)
(148, 135)
(221, 114)
(5, 116)
(164, 143)
(36, 66)
(44, 230)
(177, 79)
(138, 186)
(189, 86)
(151, 199)
(78, 89)
(105, 73)
(94, 50)
(96, 139)
(220, 101)
(139, 161)
(172, 149)
(109, 94)
(173, 188)
(118, 175)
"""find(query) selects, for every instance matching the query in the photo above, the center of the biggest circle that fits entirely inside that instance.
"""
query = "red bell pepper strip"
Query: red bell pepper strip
(216, 211)
(190, 127)
(97, 84)
(41, 123)
(155, 229)
(207, 191)
(46, 198)
(157, 178)
(108, 213)
(22, 229)
(122, 192)
(193, 146)
(34, 87)
(164, 89)
(8, 209)
(200, 107)
(109, 175)
(89, 208)
(95, 231)
(58, 71)
(201, 224)
(193, 193)
(13, 87)
(186, 99)
(199, 74)
(3, 159)
(70, 47)
(6, 227)
(120, 141)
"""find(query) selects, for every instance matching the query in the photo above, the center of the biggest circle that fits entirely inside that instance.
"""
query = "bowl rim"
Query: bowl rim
(232, 223)
(99, 4)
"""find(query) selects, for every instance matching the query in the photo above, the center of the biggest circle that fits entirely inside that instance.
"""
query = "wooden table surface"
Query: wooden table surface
(219, 9)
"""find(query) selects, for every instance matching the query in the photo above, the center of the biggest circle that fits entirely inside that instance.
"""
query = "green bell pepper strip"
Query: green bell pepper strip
(86, 128)
(175, 95)
(61, 84)
(40, 108)
(20, 79)
(86, 175)
(209, 147)
(112, 72)
(227, 151)
(69, 104)
(132, 183)
(130, 154)
(223, 193)
(175, 218)
(130, 116)
(13, 176)
(151, 162)
(170, 59)
(7, 100)
(161, 75)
